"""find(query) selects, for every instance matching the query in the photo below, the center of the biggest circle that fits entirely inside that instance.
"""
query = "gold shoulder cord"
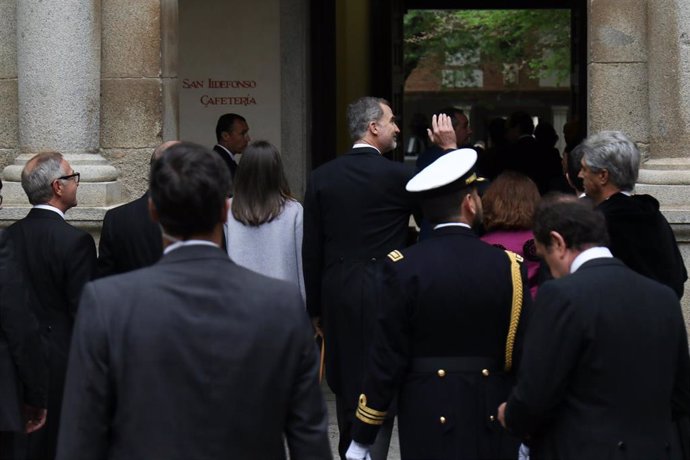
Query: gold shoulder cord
(515, 309)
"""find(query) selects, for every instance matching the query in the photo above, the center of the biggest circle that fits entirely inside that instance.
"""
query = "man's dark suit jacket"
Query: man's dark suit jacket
(56, 260)
(229, 162)
(356, 211)
(642, 238)
(605, 365)
(196, 358)
(129, 239)
(23, 361)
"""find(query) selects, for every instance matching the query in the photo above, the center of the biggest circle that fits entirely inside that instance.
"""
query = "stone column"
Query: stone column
(58, 67)
(666, 174)
(617, 68)
(639, 66)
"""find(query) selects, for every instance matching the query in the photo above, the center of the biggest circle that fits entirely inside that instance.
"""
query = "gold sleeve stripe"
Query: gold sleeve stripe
(371, 412)
(395, 255)
(368, 411)
(367, 420)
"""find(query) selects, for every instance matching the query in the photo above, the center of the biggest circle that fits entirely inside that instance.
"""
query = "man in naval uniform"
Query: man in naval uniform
(449, 330)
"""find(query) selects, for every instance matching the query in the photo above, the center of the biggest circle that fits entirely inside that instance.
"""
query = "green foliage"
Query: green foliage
(536, 39)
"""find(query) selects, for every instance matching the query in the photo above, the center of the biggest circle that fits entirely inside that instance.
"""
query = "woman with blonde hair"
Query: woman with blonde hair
(509, 204)
(264, 228)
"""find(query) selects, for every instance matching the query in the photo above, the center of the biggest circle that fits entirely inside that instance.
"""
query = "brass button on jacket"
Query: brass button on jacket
(485, 372)
(441, 373)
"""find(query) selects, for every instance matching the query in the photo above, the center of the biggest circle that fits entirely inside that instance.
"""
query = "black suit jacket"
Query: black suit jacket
(445, 299)
(23, 364)
(56, 260)
(642, 238)
(356, 211)
(192, 358)
(129, 239)
(229, 162)
(604, 366)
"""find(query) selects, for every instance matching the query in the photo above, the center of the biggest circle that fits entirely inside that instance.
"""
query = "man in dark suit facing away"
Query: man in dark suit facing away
(194, 357)
(356, 210)
(55, 260)
(23, 366)
(605, 366)
(129, 238)
(232, 137)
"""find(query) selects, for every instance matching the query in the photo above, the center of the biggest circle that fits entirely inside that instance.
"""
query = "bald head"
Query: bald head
(158, 152)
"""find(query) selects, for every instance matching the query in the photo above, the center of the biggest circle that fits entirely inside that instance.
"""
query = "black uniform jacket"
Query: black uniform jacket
(23, 363)
(642, 238)
(441, 341)
(604, 365)
(129, 239)
(56, 260)
(356, 211)
(195, 358)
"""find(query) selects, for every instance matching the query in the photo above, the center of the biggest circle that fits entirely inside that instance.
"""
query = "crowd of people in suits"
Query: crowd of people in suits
(522, 322)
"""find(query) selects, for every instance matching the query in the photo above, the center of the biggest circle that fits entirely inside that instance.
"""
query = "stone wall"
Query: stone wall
(8, 83)
(133, 88)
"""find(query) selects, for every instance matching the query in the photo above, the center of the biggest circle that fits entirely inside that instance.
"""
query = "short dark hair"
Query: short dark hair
(523, 121)
(260, 186)
(189, 185)
(509, 202)
(575, 220)
(441, 208)
(226, 122)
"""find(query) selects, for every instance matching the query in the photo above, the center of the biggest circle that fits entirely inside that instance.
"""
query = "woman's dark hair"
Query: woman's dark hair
(509, 202)
(260, 186)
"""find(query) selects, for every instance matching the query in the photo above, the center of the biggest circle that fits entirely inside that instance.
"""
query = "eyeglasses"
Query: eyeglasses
(76, 177)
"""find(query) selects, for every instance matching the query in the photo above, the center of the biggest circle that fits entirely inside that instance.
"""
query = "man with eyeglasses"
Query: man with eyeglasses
(56, 260)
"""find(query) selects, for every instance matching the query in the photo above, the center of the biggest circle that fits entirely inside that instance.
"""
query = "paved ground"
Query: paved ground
(393, 453)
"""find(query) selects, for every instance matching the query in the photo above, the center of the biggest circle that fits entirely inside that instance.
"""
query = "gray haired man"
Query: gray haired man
(640, 235)
(56, 260)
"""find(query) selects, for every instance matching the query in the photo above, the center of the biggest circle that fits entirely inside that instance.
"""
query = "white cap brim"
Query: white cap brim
(446, 170)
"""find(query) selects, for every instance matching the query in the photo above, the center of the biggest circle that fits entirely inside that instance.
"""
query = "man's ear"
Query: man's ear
(57, 187)
(373, 128)
(604, 176)
(471, 204)
(153, 212)
(557, 242)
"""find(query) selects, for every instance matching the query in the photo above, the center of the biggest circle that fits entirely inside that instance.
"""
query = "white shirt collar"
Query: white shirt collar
(50, 208)
(598, 252)
(232, 155)
(362, 145)
(179, 244)
(452, 224)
